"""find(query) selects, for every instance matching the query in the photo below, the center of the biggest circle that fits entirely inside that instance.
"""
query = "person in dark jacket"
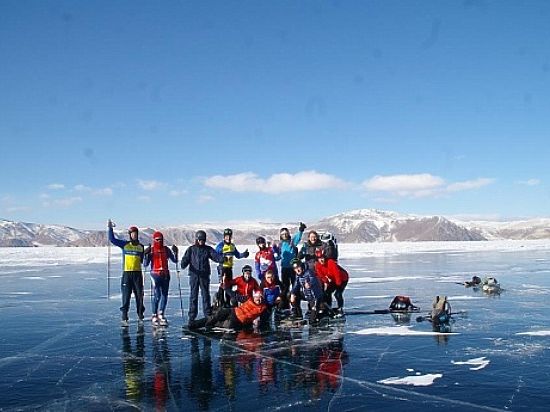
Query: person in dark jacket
(197, 257)
(132, 276)
(307, 252)
(307, 287)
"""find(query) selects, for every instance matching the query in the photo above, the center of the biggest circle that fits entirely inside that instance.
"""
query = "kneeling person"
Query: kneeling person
(307, 287)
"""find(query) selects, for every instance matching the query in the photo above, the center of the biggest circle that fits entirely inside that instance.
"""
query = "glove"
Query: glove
(110, 224)
(246, 253)
(175, 250)
(302, 227)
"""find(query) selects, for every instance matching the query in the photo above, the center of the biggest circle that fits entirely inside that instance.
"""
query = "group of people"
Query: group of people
(307, 272)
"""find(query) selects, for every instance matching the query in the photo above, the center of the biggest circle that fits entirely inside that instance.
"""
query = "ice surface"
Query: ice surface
(61, 346)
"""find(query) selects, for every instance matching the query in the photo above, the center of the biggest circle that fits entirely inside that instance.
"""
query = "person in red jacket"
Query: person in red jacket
(240, 317)
(246, 284)
(334, 278)
(157, 256)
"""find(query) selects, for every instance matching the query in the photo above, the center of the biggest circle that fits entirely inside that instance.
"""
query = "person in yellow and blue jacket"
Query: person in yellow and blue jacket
(225, 270)
(132, 276)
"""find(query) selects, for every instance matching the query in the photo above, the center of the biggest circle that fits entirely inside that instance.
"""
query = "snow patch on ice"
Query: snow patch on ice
(478, 363)
(535, 333)
(398, 331)
(463, 297)
(386, 279)
(418, 380)
(373, 297)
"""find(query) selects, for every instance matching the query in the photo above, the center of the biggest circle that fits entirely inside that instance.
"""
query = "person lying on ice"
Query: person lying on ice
(241, 317)
(307, 287)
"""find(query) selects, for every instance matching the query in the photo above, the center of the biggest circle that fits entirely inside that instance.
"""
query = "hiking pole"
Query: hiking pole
(179, 283)
(111, 224)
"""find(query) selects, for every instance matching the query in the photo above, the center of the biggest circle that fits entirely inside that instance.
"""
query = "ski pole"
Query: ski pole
(179, 287)
(111, 225)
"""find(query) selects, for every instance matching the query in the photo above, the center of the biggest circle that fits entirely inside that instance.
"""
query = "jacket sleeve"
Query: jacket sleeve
(170, 255)
(276, 253)
(296, 288)
(147, 258)
(117, 242)
(186, 258)
(297, 238)
(214, 255)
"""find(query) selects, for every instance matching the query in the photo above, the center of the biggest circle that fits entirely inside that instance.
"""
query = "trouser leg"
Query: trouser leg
(126, 291)
(193, 297)
(163, 298)
(155, 281)
(204, 283)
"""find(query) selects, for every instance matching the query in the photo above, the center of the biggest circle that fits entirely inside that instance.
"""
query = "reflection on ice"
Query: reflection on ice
(399, 331)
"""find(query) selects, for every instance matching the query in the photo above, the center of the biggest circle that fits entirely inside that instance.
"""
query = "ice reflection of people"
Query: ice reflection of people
(162, 369)
(228, 370)
(133, 364)
(199, 385)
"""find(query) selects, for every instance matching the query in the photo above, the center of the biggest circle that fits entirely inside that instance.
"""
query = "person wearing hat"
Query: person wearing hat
(333, 277)
(132, 276)
(225, 270)
(198, 257)
(307, 287)
(245, 284)
(243, 316)
(289, 250)
(157, 256)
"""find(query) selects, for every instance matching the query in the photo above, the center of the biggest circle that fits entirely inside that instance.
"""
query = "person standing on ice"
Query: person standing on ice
(309, 247)
(265, 258)
(225, 269)
(157, 256)
(198, 257)
(132, 276)
(289, 250)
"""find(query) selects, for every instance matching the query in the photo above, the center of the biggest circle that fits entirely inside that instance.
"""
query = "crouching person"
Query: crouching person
(245, 284)
(307, 287)
(241, 317)
(271, 289)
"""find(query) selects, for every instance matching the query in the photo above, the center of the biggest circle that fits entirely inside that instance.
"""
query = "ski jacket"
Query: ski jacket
(331, 272)
(132, 254)
(307, 252)
(245, 288)
(265, 260)
(158, 258)
(313, 292)
(289, 249)
(197, 258)
(248, 311)
(229, 252)
(271, 292)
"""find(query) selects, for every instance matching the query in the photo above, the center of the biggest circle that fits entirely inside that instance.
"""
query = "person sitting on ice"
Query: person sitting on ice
(476, 281)
(402, 304)
(334, 279)
(245, 284)
(157, 256)
(241, 317)
(307, 287)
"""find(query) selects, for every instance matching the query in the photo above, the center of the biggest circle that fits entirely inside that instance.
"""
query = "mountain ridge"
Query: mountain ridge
(354, 226)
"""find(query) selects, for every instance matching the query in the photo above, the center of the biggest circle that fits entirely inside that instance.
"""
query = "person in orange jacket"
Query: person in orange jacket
(240, 317)
(333, 277)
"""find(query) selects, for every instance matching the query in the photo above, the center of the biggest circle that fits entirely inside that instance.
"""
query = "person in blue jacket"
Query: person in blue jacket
(289, 250)
(198, 257)
(132, 276)
(307, 287)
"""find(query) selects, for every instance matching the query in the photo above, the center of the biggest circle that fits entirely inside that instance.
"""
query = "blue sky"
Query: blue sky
(182, 112)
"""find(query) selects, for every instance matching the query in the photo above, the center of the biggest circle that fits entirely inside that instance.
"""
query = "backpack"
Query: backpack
(441, 311)
(401, 303)
(330, 245)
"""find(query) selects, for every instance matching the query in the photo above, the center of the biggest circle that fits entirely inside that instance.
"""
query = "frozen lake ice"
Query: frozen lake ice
(61, 346)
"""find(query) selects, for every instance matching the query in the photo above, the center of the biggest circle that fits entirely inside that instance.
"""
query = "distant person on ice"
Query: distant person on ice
(132, 276)
(158, 256)
(198, 257)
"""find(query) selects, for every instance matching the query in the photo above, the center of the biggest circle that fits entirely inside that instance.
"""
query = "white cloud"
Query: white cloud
(82, 188)
(469, 184)
(14, 209)
(63, 202)
(415, 185)
(150, 184)
(530, 182)
(176, 193)
(420, 185)
(276, 183)
(205, 199)
(56, 186)
(106, 191)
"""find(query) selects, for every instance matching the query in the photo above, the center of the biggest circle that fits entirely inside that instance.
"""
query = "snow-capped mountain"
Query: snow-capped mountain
(355, 226)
